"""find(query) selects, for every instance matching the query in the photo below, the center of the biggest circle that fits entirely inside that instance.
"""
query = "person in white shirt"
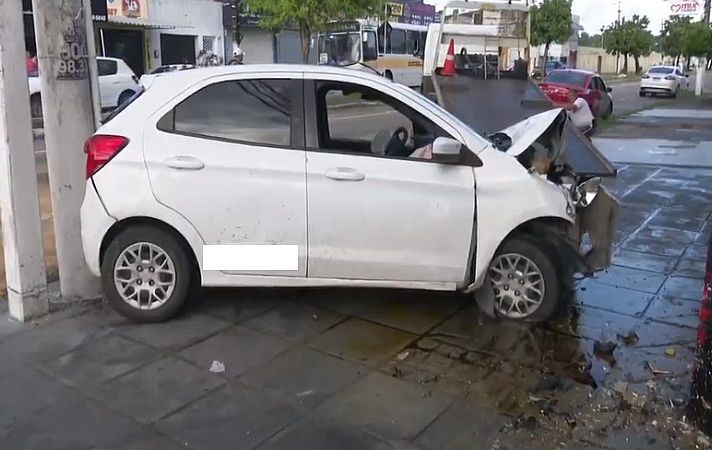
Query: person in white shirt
(580, 113)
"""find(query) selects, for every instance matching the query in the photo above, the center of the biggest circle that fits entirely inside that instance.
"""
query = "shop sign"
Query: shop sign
(129, 9)
(99, 12)
(683, 8)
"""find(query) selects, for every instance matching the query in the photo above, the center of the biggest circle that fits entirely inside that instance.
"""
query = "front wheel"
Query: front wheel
(525, 282)
(146, 274)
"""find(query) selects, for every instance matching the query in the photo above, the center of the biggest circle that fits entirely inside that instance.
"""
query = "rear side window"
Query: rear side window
(577, 79)
(251, 111)
(106, 67)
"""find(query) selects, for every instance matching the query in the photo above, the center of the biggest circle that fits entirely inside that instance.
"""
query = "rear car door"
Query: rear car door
(228, 155)
(108, 82)
(594, 94)
(381, 214)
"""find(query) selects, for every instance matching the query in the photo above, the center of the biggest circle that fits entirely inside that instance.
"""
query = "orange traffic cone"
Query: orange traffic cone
(449, 69)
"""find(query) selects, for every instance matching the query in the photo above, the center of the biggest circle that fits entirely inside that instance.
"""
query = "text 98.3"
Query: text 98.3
(72, 64)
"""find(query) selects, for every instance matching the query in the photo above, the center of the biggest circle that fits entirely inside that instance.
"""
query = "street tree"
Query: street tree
(697, 40)
(551, 22)
(671, 37)
(311, 16)
(642, 39)
(587, 40)
(629, 38)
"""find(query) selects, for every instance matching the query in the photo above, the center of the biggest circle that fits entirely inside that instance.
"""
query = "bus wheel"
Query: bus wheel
(389, 75)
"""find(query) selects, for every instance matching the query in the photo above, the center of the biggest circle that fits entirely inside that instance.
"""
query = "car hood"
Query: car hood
(523, 134)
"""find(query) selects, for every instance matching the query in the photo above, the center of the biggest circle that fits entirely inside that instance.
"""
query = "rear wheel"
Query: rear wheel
(525, 281)
(389, 75)
(674, 94)
(146, 274)
(642, 93)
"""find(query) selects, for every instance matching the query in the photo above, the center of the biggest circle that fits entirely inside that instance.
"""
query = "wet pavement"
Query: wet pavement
(338, 368)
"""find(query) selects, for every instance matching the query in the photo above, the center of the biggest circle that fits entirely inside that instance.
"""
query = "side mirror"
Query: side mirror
(446, 150)
(687, 75)
(609, 89)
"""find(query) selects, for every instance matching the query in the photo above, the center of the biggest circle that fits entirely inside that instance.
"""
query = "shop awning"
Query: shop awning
(143, 23)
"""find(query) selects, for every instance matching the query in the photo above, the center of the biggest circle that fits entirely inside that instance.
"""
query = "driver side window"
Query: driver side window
(356, 119)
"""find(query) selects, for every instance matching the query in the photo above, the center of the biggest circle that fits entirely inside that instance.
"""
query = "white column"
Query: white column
(700, 76)
(60, 28)
(21, 224)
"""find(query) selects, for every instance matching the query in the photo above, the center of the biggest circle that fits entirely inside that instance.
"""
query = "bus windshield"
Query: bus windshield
(340, 48)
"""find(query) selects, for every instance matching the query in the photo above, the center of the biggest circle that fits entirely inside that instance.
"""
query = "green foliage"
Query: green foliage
(312, 15)
(551, 22)
(697, 40)
(671, 37)
(587, 40)
(629, 38)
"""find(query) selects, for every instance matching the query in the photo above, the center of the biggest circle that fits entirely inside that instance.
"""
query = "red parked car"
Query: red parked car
(558, 83)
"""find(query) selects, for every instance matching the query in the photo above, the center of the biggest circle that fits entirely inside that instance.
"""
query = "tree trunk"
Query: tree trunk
(625, 63)
(305, 33)
(546, 59)
(677, 60)
(637, 64)
(687, 67)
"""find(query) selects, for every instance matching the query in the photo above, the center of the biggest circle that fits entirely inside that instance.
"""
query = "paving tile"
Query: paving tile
(679, 219)
(158, 389)
(362, 341)
(305, 377)
(233, 416)
(593, 323)
(237, 305)
(645, 261)
(386, 407)
(296, 321)
(683, 288)
(674, 311)
(46, 341)
(656, 334)
(25, 391)
(625, 277)
(238, 348)
(412, 311)
(660, 241)
(692, 264)
(617, 299)
(324, 434)
(465, 422)
(103, 315)
(106, 356)
(176, 333)
(76, 424)
(10, 326)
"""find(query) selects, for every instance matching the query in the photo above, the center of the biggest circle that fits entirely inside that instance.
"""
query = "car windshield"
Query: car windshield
(340, 49)
(577, 79)
(552, 64)
(661, 70)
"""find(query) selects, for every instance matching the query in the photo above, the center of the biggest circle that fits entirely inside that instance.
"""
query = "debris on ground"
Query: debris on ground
(604, 347)
(217, 367)
(621, 387)
(629, 338)
(657, 371)
(670, 351)
(403, 355)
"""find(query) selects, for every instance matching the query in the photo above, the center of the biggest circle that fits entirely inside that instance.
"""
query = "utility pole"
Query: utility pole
(21, 224)
(618, 24)
(62, 39)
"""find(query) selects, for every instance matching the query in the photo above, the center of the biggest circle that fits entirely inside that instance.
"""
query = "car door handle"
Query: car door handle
(184, 163)
(344, 174)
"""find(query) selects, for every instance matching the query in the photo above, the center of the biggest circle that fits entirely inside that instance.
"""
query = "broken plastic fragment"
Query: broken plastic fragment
(217, 367)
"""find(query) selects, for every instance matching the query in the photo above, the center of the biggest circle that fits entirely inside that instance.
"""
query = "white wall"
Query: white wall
(189, 17)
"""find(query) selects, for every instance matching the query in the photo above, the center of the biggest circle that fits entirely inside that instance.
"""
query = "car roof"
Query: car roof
(577, 71)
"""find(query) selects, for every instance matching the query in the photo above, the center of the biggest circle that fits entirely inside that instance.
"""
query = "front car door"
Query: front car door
(605, 96)
(228, 155)
(374, 212)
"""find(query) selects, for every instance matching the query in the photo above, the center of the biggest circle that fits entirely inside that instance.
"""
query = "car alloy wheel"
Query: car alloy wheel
(144, 276)
(518, 284)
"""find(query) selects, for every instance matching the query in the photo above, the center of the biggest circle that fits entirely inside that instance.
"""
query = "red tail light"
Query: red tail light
(100, 149)
(670, 78)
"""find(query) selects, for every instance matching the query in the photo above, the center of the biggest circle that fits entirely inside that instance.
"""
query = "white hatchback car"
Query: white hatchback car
(667, 80)
(117, 84)
(294, 176)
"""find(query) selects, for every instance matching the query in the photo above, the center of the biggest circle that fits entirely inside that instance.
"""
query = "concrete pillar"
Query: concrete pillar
(21, 223)
(700, 76)
(60, 28)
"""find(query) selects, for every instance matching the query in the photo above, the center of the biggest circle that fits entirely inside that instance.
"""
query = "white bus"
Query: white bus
(360, 45)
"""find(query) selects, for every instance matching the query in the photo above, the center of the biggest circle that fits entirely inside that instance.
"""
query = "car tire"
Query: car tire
(609, 111)
(521, 249)
(389, 75)
(642, 94)
(171, 257)
(674, 94)
(125, 97)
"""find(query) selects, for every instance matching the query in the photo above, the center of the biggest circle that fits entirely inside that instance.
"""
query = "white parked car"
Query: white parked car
(117, 84)
(164, 69)
(667, 80)
(266, 176)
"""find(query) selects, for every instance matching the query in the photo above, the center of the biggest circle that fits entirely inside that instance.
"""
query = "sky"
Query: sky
(595, 14)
